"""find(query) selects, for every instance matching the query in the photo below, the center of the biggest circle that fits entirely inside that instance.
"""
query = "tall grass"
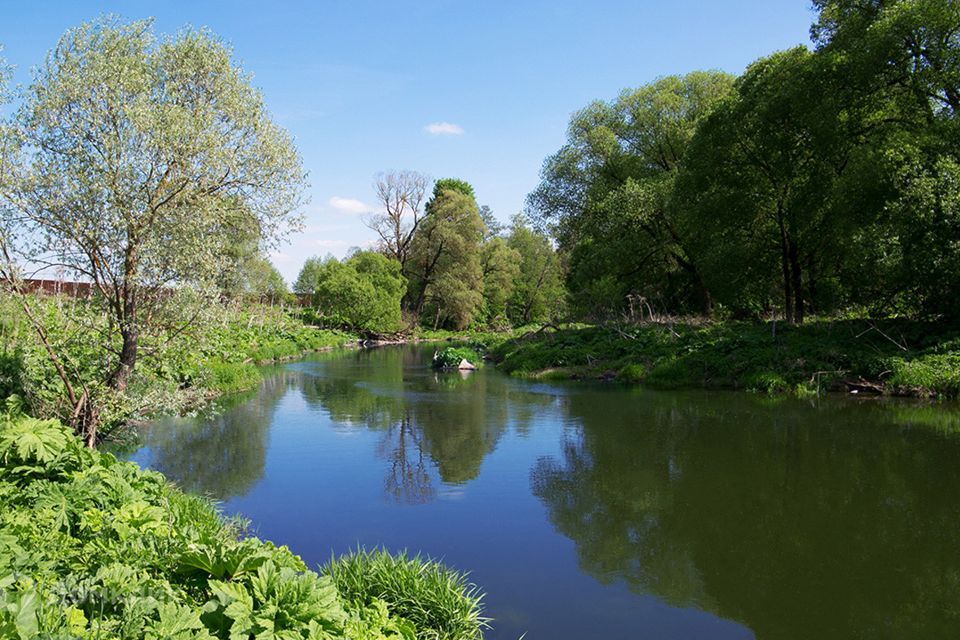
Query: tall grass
(441, 602)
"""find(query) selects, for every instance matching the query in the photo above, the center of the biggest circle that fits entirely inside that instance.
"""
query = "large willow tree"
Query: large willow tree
(607, 195)
(138, 159)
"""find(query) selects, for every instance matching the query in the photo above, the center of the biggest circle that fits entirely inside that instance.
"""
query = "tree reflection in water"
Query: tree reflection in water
(765, 512)
(444, 421)
(222, 456)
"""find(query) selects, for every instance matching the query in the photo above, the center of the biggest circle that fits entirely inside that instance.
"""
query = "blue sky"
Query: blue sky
(358, 83)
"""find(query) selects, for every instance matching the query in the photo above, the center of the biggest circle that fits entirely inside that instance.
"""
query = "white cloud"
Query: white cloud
(348, 205)
(279, 257)
(443, 129)
(332, 244)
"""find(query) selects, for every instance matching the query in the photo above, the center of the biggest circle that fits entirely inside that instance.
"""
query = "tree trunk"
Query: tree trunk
(128, 351)
(787, 280)
(704, 297)
(797, 284)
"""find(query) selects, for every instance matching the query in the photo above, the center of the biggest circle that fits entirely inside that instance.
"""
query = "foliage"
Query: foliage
(362, 293)
(607, 195)
(441, 602)
(896, 356)
(444, 269)
(821, 181)
(91, 547)
(139, 163)
(538, 294)
(217, 354)
(501, 265)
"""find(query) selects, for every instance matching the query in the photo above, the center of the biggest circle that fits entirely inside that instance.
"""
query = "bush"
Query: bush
(91, 547)
(217, 354)
(442, 603)
(450, 357)
(362, 293)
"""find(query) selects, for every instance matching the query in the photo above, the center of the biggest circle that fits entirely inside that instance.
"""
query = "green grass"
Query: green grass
(895, 356)
(442, 603)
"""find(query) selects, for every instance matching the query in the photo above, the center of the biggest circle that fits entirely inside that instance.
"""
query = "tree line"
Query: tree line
(441, 261)
(823, 180)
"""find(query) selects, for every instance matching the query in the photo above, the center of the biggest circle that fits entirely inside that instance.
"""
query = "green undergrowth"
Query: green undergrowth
(217, 353)
(895, 357)
(92, 547)
(226, 358)
(443, 604)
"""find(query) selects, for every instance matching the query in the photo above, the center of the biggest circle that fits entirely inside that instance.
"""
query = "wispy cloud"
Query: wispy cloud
(331, 244)
(348, 205)
(443, 129)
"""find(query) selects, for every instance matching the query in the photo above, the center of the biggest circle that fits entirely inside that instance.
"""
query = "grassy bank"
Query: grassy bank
(225, 358)
(893, 357)
(91, 547)
(179, 369)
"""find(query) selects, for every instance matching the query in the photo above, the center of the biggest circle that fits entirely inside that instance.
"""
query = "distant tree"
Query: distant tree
(360, 293)
(453, 184)
(263, 282)
(401, 195)
(306, 282)
(444, 270)
(136, 159)
(500, 264)
(538, 293)
(491, 226)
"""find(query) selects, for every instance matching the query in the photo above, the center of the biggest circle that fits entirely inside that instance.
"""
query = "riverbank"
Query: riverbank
(177, 371)
(91, 547)
(891, 357)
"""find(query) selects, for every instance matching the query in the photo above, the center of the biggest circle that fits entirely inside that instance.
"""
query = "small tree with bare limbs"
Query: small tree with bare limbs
(401, 195)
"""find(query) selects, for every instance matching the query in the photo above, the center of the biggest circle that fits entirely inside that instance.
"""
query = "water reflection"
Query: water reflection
(450, 419)
(714, 515)
(766, 513)
(222, 456)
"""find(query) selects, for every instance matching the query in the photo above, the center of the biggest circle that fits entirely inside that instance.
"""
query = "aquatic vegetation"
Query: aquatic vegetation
(451, 357)
(91, 547)
(441, 602)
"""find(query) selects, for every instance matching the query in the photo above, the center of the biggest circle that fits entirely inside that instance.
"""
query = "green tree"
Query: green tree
(445, 270)
(902, 57)
(758, 188)
(306, 282)
(263, 282)
(607, 195)
(500, 264)
(138, 156)
(538, 293)
(362, 292)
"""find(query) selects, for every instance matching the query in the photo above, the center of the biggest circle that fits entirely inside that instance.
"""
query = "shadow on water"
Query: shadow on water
(221, 456)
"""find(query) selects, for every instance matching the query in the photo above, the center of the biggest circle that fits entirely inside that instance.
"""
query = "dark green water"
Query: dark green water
(598, 511)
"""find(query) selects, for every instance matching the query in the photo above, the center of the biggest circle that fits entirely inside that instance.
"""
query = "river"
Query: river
(599, 511)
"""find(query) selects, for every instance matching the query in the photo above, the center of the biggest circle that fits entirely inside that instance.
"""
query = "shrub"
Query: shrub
(442, 603)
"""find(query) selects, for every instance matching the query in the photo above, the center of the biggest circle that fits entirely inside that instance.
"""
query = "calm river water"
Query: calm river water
(589, 511)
